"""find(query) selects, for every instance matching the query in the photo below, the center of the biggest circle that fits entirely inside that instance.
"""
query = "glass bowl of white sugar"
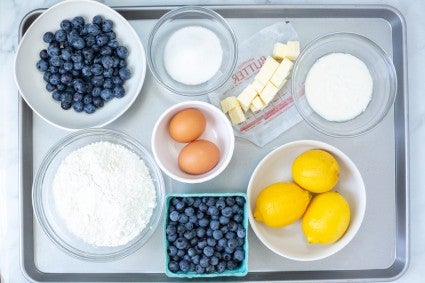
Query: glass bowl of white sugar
(98, 195)
(343, 84)
(192, 51)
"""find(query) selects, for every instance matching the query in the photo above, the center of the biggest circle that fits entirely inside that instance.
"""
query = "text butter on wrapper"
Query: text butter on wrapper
(260, 111)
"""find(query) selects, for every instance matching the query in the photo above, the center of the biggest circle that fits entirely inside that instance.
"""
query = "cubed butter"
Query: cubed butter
(279, 77)
(257, 104)
(279, 51)
(268, 93)
(258, 86)
(236, 115)
(267, 70)
(229, 103)
(293, 50)
(246, 96)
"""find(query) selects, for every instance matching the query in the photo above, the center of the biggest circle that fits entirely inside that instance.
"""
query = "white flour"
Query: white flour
(104, 193)
(339, 87)
(193, 55)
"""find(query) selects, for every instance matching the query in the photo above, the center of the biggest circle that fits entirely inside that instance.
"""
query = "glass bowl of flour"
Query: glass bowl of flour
(343, 84)
(98, 195)
(192, 51)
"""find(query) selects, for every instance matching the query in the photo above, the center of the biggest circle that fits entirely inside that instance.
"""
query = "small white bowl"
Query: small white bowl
(166, 150)
(30, 80)
(290, 241)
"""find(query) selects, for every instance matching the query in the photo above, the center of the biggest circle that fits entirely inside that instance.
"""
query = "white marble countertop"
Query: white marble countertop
(10, 17)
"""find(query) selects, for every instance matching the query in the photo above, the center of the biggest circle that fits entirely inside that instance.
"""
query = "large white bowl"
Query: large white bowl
(290, 241)
(30, 80)
(166, 150)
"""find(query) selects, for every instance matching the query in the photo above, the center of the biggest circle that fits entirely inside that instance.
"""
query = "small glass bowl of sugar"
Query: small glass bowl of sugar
(192, 51)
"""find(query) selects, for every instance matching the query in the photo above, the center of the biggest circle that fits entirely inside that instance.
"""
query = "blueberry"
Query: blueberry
(113, 43)
(56, 61)
(111, 35)
(87, 99)
(77, 22)
(65, 105)
(53, 50)
(180, 205)
(42, 65)
(93, 29)
(214, 260)
(231, 265)
(119, 92)
(172, 238)
(107, 62)
(240, 201)
(77, 57)
(202, 244)
(78, 106)
(230, 235)
(54, 79)
(78, 66)
(73, 34)
(97, 20)
(102, 39)
(61, 86)
(212, 210)
(106, 50)
(226, 256)
(227, 211)
(181, 243)
(48, 37)
(68, 66)
(214, 224)
(232, 243)
(232, 226)
(209, 232)
(97, 69)
(210, 269)
(60, 35)
(77, 97)
(200, 232)
(96, 91)
(189, 234)
(239, 255)
(78, 43)
(203, 222)
(80, 86)
(238, 218)
(221, 267)
(199, 269)
(193, 219)
(181, 228)
(211, 242)
(230, 201)
(66, 25)
(46, 76)
(88, 54)
(181, 253)
(241, 232)
(217, 234)
(122, 63)
(53, 69)
(220, 204)
(195, 259)
(98, 102)
(122, 52)
(184, 265)
(89, 108)
(66, 78)
(86, 71)
(189, 226)
(97, 81)
(56, 95)
(204, 261)
(224, 220)
(191, 252)
(43, 54)
(107, 25)
(174, 216)
(173, 266)
(66, 97)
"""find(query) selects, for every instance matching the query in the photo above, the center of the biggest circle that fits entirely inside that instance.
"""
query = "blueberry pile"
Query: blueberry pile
(84, 65)
(205, 234)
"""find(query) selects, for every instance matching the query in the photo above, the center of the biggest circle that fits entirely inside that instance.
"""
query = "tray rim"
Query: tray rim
(400, 264)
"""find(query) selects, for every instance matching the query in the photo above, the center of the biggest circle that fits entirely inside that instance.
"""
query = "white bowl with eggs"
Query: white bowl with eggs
(30, 81)
(166, 150)
(343, 81)
(290, 241)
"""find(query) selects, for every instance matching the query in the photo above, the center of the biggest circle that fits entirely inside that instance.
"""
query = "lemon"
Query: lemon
(316, 171)
(281, 204)
(326, 219)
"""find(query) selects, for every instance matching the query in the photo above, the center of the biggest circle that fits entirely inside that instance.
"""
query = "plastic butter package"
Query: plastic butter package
(261, 127)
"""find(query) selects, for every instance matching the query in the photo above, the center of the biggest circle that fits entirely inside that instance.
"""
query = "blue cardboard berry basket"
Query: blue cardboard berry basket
(241, 270)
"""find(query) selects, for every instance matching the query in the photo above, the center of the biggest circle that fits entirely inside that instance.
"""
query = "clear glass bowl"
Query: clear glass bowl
(380, 67)
(44, 204)
(185, 17)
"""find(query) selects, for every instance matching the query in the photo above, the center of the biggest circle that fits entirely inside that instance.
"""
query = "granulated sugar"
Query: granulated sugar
(104, 193)
(193, 55)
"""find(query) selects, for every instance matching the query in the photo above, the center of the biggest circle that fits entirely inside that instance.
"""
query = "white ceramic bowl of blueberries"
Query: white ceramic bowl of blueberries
(80, 65)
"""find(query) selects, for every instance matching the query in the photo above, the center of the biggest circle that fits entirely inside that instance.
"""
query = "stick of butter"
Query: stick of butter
(268, 93)
(229, 103)
(258, 86)
(279, 77)
(279, 51)
(246, 96)
(267, 70)
(236, 115)
(257, 104)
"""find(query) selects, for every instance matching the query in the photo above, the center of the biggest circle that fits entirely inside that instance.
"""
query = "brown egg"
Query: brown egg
(187, 125)
(199, 157)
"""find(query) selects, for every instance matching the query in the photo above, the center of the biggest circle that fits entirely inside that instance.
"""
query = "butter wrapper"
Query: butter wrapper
(280, 114)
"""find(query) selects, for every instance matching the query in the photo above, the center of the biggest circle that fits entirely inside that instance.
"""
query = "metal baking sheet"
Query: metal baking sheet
(380, 249)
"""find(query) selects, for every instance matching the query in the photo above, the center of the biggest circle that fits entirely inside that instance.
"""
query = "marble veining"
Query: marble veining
(11, 13)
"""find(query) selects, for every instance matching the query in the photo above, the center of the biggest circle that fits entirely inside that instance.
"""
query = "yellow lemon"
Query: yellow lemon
(281, 204)
(316, 171)
(326, 219)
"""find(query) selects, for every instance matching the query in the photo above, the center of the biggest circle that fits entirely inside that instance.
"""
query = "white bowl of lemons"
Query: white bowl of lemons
(307, 200)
